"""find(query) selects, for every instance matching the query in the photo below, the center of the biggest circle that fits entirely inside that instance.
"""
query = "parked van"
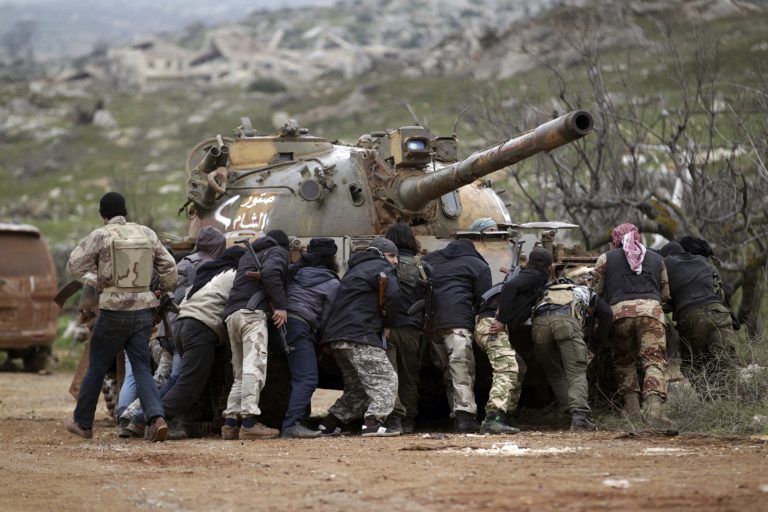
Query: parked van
(28, 315)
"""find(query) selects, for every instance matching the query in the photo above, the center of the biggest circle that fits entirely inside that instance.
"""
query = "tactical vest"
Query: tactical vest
(562, 294)
(132, 257)
(621, 283)
(410, 270)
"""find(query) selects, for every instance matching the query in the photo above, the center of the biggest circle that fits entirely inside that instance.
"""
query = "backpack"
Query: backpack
(410, 270)
(132, 257)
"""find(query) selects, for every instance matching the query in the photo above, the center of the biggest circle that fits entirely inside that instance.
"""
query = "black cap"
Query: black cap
(540, 256)
(112, 204)
(280, 237)
(322, 247)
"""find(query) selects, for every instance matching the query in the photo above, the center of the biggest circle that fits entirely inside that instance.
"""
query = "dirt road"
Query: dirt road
(43, 468)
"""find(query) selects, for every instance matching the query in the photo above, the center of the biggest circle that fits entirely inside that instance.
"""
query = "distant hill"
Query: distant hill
(65, 28)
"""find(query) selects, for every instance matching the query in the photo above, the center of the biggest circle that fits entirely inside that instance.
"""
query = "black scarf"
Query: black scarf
(211, 269)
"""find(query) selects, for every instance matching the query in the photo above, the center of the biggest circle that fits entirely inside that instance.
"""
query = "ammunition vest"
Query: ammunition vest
(132, 258)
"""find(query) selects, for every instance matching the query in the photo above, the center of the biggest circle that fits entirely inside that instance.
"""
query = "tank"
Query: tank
(309, 186)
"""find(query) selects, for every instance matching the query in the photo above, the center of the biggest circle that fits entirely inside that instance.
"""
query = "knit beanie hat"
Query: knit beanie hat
(540, 256)
(211, 241)
(322, 247)
(483, 223)
(384, 245)
(280, 237)
(112, 204)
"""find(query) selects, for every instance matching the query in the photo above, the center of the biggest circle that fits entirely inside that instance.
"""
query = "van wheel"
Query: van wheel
(36, 359)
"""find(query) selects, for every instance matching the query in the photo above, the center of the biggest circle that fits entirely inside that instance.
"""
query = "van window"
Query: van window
(23, 254)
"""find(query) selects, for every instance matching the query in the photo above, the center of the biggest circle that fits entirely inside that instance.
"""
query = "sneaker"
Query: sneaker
(123, 430)
(394, 423)
(76, 429)
(494, 424)
(375, 428)
(259, 430)
(136, 426)
(300, 431)
(333, 426)
(158, 430)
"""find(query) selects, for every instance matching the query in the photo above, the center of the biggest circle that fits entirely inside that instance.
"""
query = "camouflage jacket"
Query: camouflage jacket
(93, 254)
(635, 307)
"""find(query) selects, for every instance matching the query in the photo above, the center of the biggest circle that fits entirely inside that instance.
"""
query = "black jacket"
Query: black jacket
(603, 317)
(412, 288)
(355, 315)
(462, 276)
(311, 294)
(691, 283)
(271, 286)
(519, 295)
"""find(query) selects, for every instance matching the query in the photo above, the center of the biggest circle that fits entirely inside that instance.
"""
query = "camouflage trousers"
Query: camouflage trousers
(248, 340)
(558, 342)
(640, 339)
(505, 387)
(370, 382)
(453, 356)
(403, 350)
(707, 340)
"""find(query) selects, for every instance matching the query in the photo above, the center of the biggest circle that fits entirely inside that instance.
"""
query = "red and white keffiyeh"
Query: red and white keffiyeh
(627, 237)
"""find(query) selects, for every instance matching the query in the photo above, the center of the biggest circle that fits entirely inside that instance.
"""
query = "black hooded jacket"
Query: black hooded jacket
(519, 295)
(691, 283)
(461, 278)
(355, 315)
(274, 275)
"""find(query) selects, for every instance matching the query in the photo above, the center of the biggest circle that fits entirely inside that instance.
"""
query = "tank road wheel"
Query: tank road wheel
(109, 390)
(36, 359)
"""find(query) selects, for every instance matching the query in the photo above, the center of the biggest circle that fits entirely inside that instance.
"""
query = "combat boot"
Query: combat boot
(653, 414)
(494, 424)
(464, 423)
(632, 407)
(580, 421)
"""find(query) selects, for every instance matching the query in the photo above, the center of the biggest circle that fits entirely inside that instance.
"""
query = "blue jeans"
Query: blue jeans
(128, 391)
(168, 384)
(302, 364)
(116, 330)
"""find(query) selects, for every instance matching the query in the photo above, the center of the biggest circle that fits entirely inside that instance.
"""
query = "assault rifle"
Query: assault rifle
(257, 275)
(167, 305)
(382, 291)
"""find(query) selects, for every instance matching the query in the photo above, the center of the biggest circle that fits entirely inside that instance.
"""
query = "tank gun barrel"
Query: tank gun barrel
(414, 192)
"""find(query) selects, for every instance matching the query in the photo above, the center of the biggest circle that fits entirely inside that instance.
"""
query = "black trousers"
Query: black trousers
(198, 343)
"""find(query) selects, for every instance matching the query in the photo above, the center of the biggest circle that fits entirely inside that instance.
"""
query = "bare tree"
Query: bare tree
(691, 160)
